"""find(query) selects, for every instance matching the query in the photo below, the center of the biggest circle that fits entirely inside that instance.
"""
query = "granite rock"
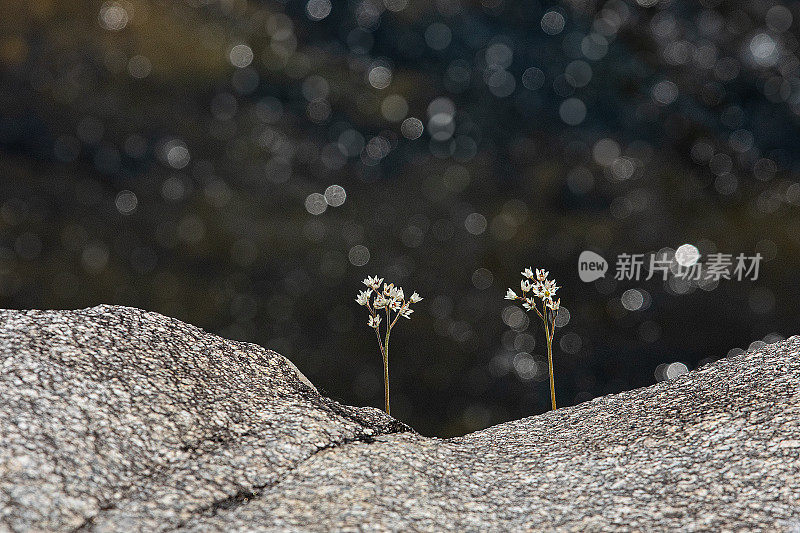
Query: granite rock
(116, 419)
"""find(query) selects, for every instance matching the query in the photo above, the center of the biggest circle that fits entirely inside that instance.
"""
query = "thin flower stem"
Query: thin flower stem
(552, 379)
(377, 332)
(548, 332)
(380, 344)
(386, 361)
(386, 374)
(385, 357)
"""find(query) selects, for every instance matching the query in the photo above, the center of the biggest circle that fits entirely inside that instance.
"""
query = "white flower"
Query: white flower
(528, 304)
(374, 321)
(511, 295)
(394, 304)
(406, 312)
(398, 294)
(380, 302)
(415, 298)
(373, 282)
(363, 297)
(388, 289)
(541, 274)
(549, 289)
(538, 289)
(525, 285)
(528, 273)
(554, 304)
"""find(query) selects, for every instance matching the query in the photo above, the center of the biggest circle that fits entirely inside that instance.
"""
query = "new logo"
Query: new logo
(591, 266)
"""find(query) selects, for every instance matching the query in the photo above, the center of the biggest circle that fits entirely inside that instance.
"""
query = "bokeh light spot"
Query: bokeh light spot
(533, 78)
(358, 255)
(139, 67)
(380, 76)
(482, 278)
(126, 202)
(113, 16)
(572, 111)
(553, 23)
(438, 36)
(475, 223)
(240, 56)
(315, 203)
(412, 128)
(687, 255)
(675, 370)
(335, 195)
(665, 92)
(632, 299)
(394, 108)
(318, 9)
(176, 154)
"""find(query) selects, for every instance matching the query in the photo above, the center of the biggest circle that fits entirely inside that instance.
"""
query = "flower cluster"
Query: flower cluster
(391, 298)
(393, 301)
(540, 287)
(536, 285)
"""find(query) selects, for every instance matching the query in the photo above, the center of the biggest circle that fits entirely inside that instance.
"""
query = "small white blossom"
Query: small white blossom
(363, 297)
(549, 289)
(551, 284)
(374, 321)
(394, 304)
(538, 286)
(373, 282)
(406, 312)
(415, 298)
(538, 289)
(380, 302)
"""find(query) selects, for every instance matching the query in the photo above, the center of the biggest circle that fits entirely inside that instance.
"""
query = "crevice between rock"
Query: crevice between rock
(245, 494)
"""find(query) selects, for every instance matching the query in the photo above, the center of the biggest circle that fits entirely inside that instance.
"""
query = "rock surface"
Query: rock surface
(116, 419)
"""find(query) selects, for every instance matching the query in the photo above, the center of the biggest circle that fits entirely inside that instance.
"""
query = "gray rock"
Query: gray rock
(115, 419)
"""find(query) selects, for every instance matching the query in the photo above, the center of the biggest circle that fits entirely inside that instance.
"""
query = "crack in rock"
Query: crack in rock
(245, 495)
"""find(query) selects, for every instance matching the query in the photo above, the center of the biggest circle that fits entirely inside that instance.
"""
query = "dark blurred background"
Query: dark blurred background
(243, 165)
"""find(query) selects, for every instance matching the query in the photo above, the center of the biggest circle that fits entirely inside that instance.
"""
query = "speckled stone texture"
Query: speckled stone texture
(115, 419)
